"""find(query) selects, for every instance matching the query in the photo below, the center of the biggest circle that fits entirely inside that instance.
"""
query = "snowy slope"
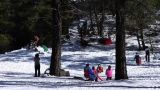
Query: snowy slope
(17, 69)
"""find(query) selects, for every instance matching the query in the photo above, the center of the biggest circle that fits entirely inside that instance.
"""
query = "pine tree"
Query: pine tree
(56, 40)
(121, 70)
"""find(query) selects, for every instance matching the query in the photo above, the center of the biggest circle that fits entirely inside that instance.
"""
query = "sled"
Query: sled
(45, 48)
(62, 72)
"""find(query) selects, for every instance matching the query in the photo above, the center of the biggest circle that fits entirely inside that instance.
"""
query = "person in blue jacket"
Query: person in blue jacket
(92, 75)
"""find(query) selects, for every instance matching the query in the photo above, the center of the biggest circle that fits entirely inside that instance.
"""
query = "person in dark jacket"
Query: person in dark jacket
(37, 65)
(138, 59)
(147, 54)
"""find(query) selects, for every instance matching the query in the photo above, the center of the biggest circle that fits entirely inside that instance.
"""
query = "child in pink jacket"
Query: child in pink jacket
(109, 73)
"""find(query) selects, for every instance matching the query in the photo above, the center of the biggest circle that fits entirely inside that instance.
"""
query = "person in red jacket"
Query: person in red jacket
(97, 77)
(86, 71)
(99, 68)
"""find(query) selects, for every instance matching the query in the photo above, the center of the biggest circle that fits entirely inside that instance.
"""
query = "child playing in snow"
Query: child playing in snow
(96, 74)
(99, 68)
(109, 73)
(93, 74)
(138, 59)
(86, 71)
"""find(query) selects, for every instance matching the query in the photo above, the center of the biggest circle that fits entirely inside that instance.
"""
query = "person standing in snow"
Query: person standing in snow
(37, 65)
(109, 73)
(147, 56)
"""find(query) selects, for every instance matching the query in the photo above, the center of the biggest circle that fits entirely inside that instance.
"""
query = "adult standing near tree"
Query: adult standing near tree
(147, 54)
(37, 65)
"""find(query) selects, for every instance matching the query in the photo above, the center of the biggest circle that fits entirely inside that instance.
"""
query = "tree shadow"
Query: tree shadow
(18, 79)
(126, 87)
(80, 63)
(132, 48)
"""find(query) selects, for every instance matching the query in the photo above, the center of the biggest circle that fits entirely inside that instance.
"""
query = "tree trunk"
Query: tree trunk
(151, 44)
(90, 15)
(101, 32)
(55, 64)
(142, 39)
(121, 70)
(97, 21)
(138, 40)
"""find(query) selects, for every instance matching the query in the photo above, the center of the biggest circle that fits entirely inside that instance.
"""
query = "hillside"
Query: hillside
(17, 69)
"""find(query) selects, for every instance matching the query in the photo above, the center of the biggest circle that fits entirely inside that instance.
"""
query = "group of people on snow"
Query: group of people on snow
(137, 57)
(89, 73)
(92, 74)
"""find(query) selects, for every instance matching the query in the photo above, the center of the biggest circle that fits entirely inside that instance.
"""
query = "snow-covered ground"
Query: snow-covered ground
(17, 69)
